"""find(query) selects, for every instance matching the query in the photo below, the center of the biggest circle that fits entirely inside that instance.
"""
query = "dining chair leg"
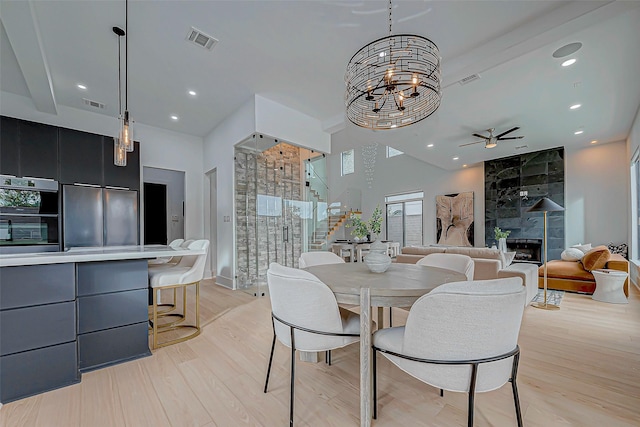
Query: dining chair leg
(472, 391)
(441, 393)
(391, 317)
(375, 384)
(514, 388)
(293, 376)
(329, 353)
(273, 347)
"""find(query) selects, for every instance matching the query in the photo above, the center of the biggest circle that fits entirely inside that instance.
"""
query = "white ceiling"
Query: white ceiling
(296, 52)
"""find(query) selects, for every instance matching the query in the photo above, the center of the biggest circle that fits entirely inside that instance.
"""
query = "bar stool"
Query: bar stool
(167, 260)
(156, 267)
(188, 272)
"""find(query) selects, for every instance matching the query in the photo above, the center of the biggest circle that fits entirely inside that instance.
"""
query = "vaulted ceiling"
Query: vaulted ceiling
(296, 52)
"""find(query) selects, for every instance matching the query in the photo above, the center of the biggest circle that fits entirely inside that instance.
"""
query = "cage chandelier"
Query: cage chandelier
(393, 81)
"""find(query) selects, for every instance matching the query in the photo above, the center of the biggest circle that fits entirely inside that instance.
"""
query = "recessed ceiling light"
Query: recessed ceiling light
(382, 54)
(578, 132)
(456, 158)
(569, 62)
(464, 166)
(392, 126)
(594, 141)
(575, 106)
(429, 145)
(192, 93)
(567, 50)
(81, 86)
(174, 117)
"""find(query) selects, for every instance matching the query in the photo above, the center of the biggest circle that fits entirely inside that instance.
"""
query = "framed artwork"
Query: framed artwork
(454, 219)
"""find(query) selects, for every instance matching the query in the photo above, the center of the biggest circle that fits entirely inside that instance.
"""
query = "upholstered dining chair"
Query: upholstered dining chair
(460, 263)
(462, 337)
(189, 271)
(305, 316)
(309, 259)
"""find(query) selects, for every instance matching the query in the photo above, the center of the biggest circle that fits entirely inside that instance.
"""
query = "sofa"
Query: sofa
(572, 275)
(489, 264)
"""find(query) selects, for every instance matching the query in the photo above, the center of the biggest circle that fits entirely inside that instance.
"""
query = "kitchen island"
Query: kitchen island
(64, 313)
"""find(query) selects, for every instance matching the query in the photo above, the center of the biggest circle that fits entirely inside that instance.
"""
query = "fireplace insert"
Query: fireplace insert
(527, 250)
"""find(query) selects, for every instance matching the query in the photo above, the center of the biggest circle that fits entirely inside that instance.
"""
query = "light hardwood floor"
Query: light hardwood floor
(580, 366)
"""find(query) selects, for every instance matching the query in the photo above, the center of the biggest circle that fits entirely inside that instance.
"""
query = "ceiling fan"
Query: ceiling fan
(491, 140)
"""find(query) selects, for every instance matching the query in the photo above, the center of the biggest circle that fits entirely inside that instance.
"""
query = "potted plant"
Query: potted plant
(360, 227)
(501, 237)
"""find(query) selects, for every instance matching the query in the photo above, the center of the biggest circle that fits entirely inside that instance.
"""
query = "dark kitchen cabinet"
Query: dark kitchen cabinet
(38, 150)
(81, 157)
(9, 147)
(119, 176)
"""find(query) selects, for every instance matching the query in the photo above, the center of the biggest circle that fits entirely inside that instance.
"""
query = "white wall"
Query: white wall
(596, 189)
(633, 145)
(403, 174)
(159, 148)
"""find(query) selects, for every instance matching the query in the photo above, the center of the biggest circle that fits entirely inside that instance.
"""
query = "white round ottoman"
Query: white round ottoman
(609, 285)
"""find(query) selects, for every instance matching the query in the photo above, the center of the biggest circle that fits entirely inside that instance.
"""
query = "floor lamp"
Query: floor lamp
(545, 205)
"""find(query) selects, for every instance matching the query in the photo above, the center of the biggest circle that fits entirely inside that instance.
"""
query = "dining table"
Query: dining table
(400, 286)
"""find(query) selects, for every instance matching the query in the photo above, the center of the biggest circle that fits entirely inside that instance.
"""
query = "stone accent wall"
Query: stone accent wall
(541, 174)
(276, 175)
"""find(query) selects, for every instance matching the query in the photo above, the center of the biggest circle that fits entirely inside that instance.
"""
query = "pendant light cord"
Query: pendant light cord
(126, 62)
(119, 80)
(390, 18)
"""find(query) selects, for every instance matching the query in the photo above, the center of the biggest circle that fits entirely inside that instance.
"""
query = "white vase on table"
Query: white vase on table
(378, 260)
(502, 244)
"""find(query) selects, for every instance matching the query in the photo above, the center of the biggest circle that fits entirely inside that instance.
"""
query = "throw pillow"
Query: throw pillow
(507, 258)
(584, 248)
(571, 254)
(596, 258)
(621, 249)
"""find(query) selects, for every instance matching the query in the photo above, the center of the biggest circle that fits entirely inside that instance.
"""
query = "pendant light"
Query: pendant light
(126, 130)
(119, 149)
(393, 81)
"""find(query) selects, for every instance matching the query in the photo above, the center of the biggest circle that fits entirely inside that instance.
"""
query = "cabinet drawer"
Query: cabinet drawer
(102, 348)
(98, 312)
(112, 276)
(24, 329)
(37, 371)
(36, 284)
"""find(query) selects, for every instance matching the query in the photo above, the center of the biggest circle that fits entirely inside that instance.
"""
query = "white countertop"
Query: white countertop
(110, 253)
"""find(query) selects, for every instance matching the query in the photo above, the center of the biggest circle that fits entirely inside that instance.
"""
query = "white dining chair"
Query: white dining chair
(309, 259)
(455, 262)
(343, 250)
(188, 272)
(305, 316)
(461, 337)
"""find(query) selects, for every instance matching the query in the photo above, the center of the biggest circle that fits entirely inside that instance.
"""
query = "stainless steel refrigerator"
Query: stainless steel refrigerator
(94, 216)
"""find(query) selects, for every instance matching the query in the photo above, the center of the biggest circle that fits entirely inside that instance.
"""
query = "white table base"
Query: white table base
(609, 284)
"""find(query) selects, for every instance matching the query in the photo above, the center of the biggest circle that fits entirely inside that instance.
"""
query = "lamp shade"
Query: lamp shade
(545, 205)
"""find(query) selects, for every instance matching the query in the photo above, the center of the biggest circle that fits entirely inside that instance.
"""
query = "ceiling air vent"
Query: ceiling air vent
(521, 147)
(94, 104)
(201, 39)
(469, 79)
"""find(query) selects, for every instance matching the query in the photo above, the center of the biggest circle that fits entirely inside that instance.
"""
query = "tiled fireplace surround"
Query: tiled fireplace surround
(540, 174)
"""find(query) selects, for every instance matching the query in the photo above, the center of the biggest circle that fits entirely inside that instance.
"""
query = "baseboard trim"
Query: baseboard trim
(224, 282)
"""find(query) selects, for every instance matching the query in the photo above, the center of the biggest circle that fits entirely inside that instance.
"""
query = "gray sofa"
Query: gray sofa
(489, 264)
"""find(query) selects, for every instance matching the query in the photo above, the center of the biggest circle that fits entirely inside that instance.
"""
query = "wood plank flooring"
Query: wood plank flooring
(580, 366)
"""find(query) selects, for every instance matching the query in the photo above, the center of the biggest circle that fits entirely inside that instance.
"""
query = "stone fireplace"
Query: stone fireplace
(527, 250)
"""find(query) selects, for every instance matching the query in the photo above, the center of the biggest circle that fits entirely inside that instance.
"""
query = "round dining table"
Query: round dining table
(400, 286)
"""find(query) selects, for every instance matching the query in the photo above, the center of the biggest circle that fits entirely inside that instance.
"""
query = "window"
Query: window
(347, 162)
(392, 152)
(404, 218)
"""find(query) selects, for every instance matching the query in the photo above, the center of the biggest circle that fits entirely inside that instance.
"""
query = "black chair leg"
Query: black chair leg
(441, 393)
(293, 376)
(329, 353)
(514, 388)
(375, 384)
(472, 391)
(273, 347)
(390, 318)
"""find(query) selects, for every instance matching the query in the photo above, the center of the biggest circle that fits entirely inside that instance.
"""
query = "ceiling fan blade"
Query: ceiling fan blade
(511, 137)
(480, 136)
(509, 131)
(471, 143)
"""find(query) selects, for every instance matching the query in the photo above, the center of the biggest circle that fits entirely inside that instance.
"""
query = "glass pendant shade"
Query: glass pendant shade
(126, 132)
(119, 153)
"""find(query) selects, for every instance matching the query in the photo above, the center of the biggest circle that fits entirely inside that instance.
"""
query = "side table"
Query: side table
(609, 285)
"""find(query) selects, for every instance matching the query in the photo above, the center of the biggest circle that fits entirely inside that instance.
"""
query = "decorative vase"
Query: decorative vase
(378, 261)
(502, 244)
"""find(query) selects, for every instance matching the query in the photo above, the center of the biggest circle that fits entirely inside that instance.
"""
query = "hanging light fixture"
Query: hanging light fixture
(119, 149)
(393, 81)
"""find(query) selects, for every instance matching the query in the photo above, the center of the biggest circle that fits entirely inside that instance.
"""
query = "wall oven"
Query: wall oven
(29, 209)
